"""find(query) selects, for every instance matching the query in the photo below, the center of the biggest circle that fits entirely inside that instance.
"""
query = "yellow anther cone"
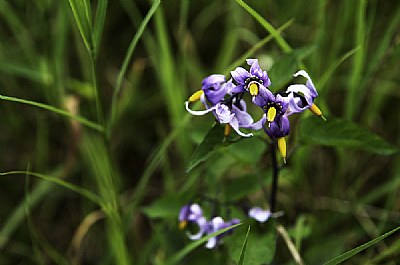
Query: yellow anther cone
(271, 114)
(282, 148)
(314, 109)
(227, 130)
(196, 96)
(253, 89)
(182, 225)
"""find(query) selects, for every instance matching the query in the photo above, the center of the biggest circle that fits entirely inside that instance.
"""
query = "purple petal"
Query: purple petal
(184, 213)
(237, 89)
(264, 97)
(235, 125)
(259, 124)
(244, 119)
(212, 80)
(256, 70)
(259, 214)
(240, 74)
(223, 113)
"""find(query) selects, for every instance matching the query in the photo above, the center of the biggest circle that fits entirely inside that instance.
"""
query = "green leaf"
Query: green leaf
(214, 138)
(241, 258)
(241, 187)
(260, 248)
(189, 248)
(282, 71)
(342, 133)
(82, 15)
(99, 24)
(354, 251)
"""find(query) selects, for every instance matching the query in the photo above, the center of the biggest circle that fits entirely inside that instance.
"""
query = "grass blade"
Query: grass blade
(50, 108)
(99, 24)
(81, 12)
(241, 258)
(275, 33)
(354, 251)
(84, 192)
(189, 248)
(128, 57)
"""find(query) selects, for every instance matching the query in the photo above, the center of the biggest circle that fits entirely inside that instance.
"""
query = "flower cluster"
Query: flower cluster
(193, 214)
(225, 100)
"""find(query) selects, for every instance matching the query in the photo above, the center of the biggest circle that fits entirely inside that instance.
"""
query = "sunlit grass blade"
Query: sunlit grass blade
(354, 251)
(263, 22)
(243, 251)
(81, 12)
(84, 192)
(128, 57)
(99, 24)
(53, 109)
(192, 246)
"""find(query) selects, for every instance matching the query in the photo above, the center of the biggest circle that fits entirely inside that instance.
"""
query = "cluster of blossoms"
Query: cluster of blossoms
(225, 100)
(192, 213)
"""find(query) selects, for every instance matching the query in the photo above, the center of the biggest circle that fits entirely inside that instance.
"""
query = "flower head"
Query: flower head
(259, 214)
(192, 213)
(255, 81)
(301, 97)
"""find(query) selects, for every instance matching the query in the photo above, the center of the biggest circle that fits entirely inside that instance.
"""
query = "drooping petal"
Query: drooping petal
(258, 124)
(197, 112)
(184, 213)
(216, 224)
(259, 214)
(195, 212)
(244, 118)
(240, 74)
(304, 90)
(235, 125)
(223, 113)
(309, 83)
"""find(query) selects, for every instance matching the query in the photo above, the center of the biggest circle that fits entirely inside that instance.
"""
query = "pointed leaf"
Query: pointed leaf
(341, 133)
(260, 248)
(354, 251)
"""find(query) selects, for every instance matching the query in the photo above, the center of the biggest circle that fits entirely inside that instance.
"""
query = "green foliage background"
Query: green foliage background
(92, 99)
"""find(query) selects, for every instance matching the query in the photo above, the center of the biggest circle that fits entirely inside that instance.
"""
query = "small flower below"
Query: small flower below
(259, 214)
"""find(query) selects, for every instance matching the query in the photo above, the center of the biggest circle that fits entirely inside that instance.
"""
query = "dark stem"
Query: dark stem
(275, 174)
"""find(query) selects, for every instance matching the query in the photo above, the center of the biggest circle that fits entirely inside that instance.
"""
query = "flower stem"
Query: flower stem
(275, 174)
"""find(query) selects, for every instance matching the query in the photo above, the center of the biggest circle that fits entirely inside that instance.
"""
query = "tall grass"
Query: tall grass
(92, 97)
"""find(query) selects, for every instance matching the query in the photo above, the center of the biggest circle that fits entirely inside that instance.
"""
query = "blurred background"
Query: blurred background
(334, 199)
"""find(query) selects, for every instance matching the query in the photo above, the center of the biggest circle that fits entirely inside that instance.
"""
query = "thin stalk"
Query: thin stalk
(99, 112)
(275, 174)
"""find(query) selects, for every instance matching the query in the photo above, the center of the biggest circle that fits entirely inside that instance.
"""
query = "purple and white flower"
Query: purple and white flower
(259, 214)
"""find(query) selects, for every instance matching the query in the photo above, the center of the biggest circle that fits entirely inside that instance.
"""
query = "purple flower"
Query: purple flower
(255, 82)
(215, 88)
(192, 213)
(301, 97)
(234, 115)
(216, 224)
(259, 214)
